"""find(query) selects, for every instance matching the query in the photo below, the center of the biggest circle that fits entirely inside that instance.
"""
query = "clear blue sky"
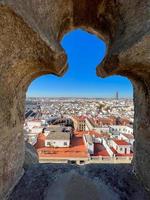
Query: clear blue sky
(85, 51)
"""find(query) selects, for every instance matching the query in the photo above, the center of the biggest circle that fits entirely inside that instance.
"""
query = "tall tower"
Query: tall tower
(117, 95)
(39, 111)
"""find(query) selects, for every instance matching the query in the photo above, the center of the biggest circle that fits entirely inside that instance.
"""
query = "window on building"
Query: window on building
(65, 143)
(73, 162)
(48, 144)
(82, 162)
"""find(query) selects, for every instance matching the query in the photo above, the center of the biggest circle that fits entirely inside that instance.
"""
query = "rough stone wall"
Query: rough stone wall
(142, 130)
(31, 156)
(30, 33)
(43, 181)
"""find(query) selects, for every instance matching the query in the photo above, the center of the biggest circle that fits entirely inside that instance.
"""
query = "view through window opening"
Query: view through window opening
(81, 118)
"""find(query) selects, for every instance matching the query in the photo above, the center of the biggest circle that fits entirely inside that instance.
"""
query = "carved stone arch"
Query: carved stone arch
(30, 33)
(24, 56)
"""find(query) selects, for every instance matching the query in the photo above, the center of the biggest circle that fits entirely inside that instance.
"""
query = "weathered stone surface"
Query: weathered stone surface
(31, 156)
(68, 182)
(78, 187)
(30, 34)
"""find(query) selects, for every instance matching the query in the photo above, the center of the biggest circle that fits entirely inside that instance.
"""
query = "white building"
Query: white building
(30, 137)
(117, 129)
(36, 129)
(57, 139)
(127, 137)
(88, 140)
(121, 146)
(33, 123)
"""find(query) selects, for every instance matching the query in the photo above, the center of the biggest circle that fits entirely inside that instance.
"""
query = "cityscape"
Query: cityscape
(74, 100)
(80, 130)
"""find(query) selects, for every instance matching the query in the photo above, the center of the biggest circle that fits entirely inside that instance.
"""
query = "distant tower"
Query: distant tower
(117, 95)
(39, 111)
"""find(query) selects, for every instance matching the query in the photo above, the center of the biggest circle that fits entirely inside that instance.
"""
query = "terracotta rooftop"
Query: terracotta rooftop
(129, 136)
(121, 142)
(77, 149)
(102, 121)
(120, 154)
(81, 133)
(80, 118)
(100, 150)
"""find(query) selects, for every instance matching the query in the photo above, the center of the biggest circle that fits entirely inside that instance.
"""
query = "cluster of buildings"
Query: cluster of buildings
(80, 139)
(100, 108)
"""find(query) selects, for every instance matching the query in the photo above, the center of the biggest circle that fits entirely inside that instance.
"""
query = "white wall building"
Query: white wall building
(36, 130)
(58, 139)
(110, 152)
(116, 129)
(88, 140)
(33, 123)
(127, 137)
(121, 146)
(30, 137)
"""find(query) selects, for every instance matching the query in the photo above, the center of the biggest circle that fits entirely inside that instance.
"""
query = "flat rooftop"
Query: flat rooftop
(58, 136)
(100, 150)
(120, 154)
(77, 149)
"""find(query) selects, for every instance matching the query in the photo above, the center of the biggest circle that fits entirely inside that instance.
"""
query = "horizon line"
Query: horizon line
(129, 97)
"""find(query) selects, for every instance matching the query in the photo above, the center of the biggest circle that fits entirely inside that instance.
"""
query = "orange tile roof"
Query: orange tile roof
(81, 133)
(100, 150)
(102, 121)
(80, 118)
(121, 154)
(104, 135)
(77, 149)
(97, 135)
(129, 136)
(121, 142)
(124, 121)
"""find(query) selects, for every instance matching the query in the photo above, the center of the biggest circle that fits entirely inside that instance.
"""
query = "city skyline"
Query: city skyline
(85, 51)
(81, 97)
